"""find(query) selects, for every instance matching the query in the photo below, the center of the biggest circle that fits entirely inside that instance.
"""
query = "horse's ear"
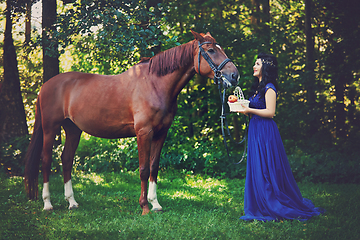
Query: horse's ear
(197, 36)
(208, 34)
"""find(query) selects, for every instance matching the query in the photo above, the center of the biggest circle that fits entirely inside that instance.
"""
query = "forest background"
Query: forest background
(317, 44)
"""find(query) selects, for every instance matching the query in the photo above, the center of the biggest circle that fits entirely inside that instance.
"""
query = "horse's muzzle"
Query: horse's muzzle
(230, 80)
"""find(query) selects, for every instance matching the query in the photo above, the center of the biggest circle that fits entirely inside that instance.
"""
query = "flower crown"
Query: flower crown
(271, 63)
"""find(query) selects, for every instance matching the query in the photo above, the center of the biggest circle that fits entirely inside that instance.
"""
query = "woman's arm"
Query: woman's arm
(269, 111)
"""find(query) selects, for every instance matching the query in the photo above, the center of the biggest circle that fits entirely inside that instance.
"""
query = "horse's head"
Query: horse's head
(212, 61)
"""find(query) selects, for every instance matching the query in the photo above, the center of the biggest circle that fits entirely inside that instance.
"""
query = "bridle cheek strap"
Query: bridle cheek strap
(216, 69)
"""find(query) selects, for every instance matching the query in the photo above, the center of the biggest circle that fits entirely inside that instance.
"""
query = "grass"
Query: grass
(196, 207)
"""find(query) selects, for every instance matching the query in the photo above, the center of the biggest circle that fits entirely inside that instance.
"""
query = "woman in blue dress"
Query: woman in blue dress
(271, 192)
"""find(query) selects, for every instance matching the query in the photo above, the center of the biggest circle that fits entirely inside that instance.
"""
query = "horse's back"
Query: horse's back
(97, 104)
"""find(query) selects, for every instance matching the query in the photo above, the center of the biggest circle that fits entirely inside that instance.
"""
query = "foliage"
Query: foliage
(204, 156)
(201, 155)
(12, 154)
(104, 155)
(207, 156)
(107, 37)
(196, 207)
(120, 32)
(328, 166)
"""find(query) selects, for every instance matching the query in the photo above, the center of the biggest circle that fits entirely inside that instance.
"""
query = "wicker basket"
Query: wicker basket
(236, 106)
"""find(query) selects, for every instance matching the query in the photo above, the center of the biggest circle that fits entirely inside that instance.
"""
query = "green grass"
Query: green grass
(196, 207)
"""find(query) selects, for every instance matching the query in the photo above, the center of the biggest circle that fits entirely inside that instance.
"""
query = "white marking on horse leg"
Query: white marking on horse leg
(46, 197)
(152, 197)
(69, 195)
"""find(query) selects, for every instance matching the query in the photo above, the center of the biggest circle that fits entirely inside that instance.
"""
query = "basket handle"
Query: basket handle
(239, 93)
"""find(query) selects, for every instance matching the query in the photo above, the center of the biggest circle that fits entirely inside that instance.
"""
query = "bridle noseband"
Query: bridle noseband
(213, 66)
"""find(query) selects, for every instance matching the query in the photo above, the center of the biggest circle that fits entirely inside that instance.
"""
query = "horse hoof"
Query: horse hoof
(48, 209)
(146, 211)
(73, 207)
(157, 210)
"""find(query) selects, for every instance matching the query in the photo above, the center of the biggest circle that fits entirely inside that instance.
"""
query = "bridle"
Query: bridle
(213, 66)
(218, 76)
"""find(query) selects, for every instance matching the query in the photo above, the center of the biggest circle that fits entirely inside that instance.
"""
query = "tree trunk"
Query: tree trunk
(50, 46)
(340, 109)
(265, 23)
(260, 20)
(309, 68)
(12, 113)
(255, 10)
(28, 22)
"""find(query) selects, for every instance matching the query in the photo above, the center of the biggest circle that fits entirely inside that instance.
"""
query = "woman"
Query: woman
(271, 192)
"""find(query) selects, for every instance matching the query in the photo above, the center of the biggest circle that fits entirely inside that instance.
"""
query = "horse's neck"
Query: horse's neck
(178, 80)
(175, 81)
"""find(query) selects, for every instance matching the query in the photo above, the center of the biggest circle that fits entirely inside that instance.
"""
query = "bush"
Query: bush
(12, 154)
(201, 156)
(179, 152)
(206, 155)
(327, 166)
(106, 155)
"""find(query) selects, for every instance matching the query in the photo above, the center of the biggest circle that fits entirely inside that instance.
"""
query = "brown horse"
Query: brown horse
(140, 102)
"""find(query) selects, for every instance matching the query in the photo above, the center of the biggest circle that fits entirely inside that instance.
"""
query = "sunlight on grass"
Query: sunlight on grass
(324, 194)
(91, 177)
(15, 179)
(207, 184)
(183, 195)
(198, 189)
(195, 207)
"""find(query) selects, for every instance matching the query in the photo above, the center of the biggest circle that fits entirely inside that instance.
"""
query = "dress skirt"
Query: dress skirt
(271, 192)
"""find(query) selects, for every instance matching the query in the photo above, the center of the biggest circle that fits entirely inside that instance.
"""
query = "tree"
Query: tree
(13, 126)
(12, 113)
(28, 22)
(260, 20)
(50, 46)
(341, 31)
(49, 43)
(309, 69)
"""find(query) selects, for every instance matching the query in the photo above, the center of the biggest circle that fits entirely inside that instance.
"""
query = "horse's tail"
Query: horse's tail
(33, 155)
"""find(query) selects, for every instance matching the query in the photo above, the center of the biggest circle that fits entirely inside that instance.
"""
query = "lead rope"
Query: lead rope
(224, 122)
(217, 77)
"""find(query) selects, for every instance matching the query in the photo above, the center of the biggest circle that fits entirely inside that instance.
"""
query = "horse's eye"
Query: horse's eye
(211, 50)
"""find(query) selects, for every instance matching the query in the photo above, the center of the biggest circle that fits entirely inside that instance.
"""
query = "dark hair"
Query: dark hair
(269, 72)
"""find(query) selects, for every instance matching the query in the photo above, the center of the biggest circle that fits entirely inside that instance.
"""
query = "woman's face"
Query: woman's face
(257, 68)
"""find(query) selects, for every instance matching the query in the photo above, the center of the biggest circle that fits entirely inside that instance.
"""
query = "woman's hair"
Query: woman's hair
(269, 73)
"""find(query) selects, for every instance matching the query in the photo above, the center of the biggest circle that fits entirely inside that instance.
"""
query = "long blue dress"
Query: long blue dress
(271, 192)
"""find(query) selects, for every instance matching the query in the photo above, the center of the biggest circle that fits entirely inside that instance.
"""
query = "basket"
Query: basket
(236, 106)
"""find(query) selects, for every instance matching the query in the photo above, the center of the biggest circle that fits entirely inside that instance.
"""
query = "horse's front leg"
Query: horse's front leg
(73, 134)
(144, 145)
(156, 147)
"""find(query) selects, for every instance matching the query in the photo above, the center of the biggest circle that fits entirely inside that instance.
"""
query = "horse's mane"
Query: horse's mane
(174, 58)
(171, 60)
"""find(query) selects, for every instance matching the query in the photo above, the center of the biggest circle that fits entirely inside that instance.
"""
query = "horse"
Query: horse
(140, 102)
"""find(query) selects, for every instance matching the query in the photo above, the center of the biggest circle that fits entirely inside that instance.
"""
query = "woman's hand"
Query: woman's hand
(268, 112)
(245, 110)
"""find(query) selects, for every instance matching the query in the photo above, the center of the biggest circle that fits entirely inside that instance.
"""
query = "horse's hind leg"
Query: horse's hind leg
(49, 137)
(73, 134)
